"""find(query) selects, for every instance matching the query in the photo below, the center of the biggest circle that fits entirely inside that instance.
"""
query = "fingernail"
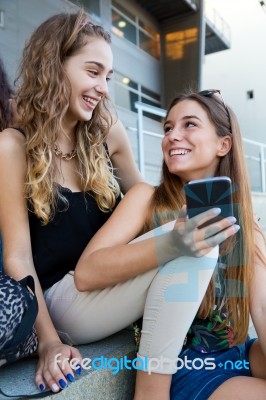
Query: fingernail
(62, 383)
(70, 377)
(41, 387)
(237, 227)
(78, 370)
(232, 219)
(216, 211)
(55, 388)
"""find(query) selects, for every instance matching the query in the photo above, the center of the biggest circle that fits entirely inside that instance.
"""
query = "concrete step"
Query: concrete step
(106, 383)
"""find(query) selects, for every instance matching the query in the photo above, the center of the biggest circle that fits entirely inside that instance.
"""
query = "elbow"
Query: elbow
(80, 282)
(89, 275)
(85, 280)
(82, 276)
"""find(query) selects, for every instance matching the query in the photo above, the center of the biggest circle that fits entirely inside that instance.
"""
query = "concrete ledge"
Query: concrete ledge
(18, 378)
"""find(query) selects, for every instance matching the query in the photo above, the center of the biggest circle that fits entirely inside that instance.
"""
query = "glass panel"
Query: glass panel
(123, 28)
(150, 93)
(149, 115)
(125, 81)
(124, 11)
(149, 45)
(148, 29)
(91, 6)
(125, 98)
(127, 93)
(252, 155)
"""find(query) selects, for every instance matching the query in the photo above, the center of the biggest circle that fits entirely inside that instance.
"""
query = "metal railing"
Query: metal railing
(217, 22)
(255, 152)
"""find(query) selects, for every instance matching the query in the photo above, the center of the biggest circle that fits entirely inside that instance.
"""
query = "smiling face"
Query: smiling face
(88, 71)
(191, 147)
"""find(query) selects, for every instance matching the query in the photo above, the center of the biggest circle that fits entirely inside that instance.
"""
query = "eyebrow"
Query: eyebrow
(184, 118)
(100, 65)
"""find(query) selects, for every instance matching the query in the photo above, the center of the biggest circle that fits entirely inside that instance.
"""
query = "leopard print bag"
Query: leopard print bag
(18, 312)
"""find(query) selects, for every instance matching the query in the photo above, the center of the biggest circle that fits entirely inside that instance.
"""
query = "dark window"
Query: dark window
(250, 94)
(92, 7)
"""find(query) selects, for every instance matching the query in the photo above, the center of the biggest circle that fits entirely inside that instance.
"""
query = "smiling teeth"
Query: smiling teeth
(90, 100)
(180, 151)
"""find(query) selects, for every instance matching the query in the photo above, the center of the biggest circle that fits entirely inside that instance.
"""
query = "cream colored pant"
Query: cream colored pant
(169, 297)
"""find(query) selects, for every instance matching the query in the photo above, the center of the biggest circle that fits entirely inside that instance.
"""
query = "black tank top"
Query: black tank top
(57, 246)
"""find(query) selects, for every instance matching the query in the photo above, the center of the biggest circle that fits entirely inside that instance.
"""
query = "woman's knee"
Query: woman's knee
(257, 361)
(240, 388)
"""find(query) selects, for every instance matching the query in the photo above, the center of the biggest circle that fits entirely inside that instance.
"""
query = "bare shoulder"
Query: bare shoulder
(12, 155)
(116, 136)
(260, 238)
(115, 123)
(260, 247)
(122, 156)
(115, 126)
(11, 142)
(136, 201)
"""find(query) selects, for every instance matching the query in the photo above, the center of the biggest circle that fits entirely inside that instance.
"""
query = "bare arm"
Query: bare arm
(109, 258)
(258, 292)
(93, 270)
(14, 225)
(122, 157)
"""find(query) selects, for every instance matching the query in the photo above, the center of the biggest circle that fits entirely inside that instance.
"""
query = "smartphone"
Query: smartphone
(203, 194)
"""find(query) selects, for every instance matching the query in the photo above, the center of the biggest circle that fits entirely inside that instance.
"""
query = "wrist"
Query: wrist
(43, 344)
(166, 248)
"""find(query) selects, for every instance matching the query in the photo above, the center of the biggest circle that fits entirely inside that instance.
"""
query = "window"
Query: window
(122, 27)
(127, 92)
(130, 27)
(91, 6)
(250, 94)
(149, 40)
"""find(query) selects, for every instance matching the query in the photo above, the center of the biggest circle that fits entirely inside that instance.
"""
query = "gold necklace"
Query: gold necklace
(68, 156)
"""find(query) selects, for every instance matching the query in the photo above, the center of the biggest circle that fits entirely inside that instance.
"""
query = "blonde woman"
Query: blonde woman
(62, 169)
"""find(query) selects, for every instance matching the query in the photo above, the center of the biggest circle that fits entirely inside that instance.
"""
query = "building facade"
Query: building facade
(158, 48)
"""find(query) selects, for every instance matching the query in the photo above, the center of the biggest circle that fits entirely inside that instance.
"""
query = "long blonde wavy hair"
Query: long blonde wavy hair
(42, 102)
(239, 250)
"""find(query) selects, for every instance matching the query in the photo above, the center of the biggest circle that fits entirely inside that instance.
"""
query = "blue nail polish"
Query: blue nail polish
(70, 377)
(41, 387)
(78, 370)
(62, 383)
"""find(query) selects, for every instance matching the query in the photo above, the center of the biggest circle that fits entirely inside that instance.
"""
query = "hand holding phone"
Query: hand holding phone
(203, 194)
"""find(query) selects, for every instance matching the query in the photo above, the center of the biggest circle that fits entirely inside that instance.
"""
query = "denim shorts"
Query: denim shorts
(200, 374)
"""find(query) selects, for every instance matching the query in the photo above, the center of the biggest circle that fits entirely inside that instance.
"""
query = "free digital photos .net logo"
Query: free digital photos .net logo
(115, 365)
(210, 364)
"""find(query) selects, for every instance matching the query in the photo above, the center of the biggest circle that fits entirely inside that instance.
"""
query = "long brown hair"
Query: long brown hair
(239, 250)
(42, 102)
